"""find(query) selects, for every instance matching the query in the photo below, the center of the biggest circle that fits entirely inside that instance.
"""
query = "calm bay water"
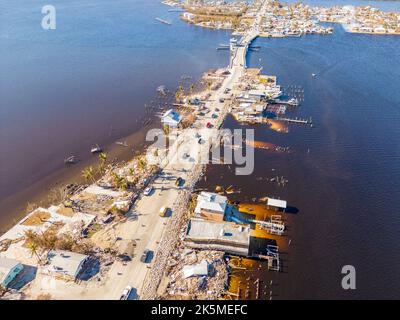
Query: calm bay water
(61, 91)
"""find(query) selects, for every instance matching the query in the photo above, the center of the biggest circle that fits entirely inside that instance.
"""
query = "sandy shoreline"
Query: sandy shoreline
(41, 193)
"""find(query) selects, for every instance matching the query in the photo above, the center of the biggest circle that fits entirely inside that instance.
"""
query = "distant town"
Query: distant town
(282, 20)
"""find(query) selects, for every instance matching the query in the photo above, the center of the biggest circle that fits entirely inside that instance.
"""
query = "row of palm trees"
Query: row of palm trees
(49, 240)
(89, 173)
(181, 91)
(118, 181)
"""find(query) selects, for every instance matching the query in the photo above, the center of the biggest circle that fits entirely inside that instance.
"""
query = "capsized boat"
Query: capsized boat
(96, 149)
(121, 143)
(70, 160)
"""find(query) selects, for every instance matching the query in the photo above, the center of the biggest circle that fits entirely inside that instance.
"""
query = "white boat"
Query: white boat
(122, 143)
(96, 149)
(70, 160)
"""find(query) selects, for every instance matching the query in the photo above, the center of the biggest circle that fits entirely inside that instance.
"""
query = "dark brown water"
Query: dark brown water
(347, 188)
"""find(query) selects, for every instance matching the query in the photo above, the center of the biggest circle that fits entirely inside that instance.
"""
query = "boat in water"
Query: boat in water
(162, 90)
(122, 143)
(70, 160)
(96, 149)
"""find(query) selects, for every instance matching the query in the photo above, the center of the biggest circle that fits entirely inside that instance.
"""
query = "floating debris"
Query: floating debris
(70, 160)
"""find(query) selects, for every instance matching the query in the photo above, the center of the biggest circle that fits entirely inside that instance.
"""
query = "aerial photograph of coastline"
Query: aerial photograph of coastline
(222, 151)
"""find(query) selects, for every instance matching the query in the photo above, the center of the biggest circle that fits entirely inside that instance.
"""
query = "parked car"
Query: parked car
(108, 218)
(148, 191)
(125, 294)
(145, 256)
(163, 211)
(214, 116)
(179, 181)
(209, 125)
(185, 155)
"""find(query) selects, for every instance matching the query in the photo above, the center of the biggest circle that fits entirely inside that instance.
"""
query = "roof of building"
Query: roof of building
(211, 201)
(66, 262)
(171, 115)
(200, 269)
(277, 203)
(255, 92)
(225, 231)
(6, 265)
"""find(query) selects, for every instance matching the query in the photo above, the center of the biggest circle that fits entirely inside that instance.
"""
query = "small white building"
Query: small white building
(196, 270)
(277, 203)
(211, 206)
(171, 118)
(257, 94)
(9, 269)
(66, 263)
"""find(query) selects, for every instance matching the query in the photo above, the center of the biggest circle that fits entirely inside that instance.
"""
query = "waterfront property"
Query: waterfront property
(9, 269)
(277, 204)
(211, 206)
(171, 118)
(65, 263)
(225, 236)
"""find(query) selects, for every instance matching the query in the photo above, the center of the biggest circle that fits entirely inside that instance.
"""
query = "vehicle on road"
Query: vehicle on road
(163, 211)
(214, 116)
(185, 155)
(148, 191)
(125, 294)
(179, 182)
(145, 255)
(209, 125)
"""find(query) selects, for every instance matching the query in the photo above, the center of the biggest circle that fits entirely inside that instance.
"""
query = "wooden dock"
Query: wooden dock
(295, 120)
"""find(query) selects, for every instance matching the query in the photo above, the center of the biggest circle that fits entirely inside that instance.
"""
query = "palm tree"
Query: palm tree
(119, 182)
(166, 128)
(102, 159)
(141, 163)
(88, 174)
(33, 247)
(191, 87)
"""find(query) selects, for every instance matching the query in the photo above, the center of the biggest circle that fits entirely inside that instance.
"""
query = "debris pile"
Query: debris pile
(196, 275)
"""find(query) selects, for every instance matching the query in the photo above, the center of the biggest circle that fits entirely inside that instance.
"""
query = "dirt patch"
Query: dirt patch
(65, 211)
(37, 218)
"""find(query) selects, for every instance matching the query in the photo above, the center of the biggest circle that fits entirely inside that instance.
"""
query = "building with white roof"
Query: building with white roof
(66, 263)
(196, 270)
(277, 203)
(171, 118)
(211, 206)
(224, 236)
